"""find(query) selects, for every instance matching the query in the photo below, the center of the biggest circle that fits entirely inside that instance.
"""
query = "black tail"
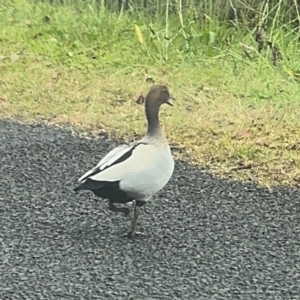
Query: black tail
(78, 188)
(89, 185)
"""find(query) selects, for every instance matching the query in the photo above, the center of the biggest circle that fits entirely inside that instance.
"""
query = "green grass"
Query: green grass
(82, 65)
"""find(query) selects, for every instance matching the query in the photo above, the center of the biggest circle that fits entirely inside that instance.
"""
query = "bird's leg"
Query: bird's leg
(134, 221)
(124, 210)
(137, 209)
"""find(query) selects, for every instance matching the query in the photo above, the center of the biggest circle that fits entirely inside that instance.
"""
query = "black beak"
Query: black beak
(171, 100)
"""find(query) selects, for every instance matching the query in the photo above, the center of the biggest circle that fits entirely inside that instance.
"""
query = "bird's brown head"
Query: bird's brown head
(158, 95)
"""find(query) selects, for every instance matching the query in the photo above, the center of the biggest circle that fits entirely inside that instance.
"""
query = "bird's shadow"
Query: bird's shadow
(114, 227)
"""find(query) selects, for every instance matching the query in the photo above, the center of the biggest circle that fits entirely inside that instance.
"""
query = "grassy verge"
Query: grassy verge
(237, 113)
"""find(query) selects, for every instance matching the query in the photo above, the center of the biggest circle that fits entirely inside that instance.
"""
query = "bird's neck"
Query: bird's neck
(153, 120)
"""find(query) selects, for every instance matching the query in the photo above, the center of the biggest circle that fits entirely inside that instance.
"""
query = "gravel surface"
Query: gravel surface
(206, 238)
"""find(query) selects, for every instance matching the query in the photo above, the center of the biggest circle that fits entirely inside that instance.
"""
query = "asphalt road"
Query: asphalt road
(206, 238)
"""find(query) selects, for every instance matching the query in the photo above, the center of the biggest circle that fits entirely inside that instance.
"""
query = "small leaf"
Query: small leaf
(289, 71)
(261, 142)
(212, 37)
(37, 35)
(150, 78)
(139, 34)
(47, 19)
(14, 57)
(28, 23)
(243, 134)
(3, 98)
(53, 40)
(140, 100)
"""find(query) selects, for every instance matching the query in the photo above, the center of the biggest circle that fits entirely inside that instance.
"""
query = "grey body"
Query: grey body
(138, 177)
(136, 171)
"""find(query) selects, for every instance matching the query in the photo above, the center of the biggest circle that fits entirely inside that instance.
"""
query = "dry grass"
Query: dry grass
(215, 129)
(238, 118)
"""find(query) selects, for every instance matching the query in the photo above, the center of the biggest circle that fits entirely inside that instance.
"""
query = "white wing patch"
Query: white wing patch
(109, 159)
(113, 156)
(132, 165)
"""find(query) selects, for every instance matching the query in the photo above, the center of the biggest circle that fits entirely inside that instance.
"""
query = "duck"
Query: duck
(136, 171)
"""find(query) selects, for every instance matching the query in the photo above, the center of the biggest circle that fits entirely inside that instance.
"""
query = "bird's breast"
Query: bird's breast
(151, 177)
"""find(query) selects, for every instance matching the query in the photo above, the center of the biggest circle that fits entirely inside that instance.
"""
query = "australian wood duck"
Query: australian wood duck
(138, 170)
